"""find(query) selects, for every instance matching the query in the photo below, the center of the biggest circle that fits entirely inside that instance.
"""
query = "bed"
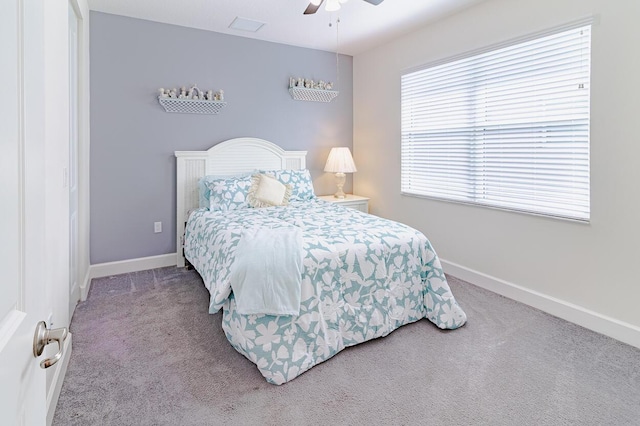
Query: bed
(361, 276)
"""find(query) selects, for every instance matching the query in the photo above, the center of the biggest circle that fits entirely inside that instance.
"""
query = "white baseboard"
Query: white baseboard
(74, 298)
(132, 265)
(84, 287)
(125, 266)
(619, 330)
(58, 378)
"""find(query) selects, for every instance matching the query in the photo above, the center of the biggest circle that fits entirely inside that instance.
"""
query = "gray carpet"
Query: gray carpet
(146, 352)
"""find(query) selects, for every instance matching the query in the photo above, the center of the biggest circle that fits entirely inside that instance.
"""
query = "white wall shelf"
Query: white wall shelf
(191, 106)
(312, 95)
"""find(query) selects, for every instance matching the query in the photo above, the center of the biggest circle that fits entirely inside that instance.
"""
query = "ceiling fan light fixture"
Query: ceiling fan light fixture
(332, 5)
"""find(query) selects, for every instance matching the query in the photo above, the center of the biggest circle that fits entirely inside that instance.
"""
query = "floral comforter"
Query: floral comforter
(363, 277)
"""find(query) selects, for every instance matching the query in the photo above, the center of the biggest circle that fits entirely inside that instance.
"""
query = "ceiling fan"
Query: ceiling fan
(332, 5)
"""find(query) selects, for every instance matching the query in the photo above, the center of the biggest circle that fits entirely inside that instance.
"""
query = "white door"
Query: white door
(73, 156)
(22, 380)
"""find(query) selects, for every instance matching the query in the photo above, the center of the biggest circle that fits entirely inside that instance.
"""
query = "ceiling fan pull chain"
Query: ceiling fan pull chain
(337, 60)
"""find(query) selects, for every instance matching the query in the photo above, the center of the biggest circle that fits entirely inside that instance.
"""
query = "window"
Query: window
(506, 128)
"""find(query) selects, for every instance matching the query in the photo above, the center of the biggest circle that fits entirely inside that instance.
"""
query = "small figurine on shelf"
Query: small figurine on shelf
(292, 82)
(193, 93)
(329, 86)
(300, 82)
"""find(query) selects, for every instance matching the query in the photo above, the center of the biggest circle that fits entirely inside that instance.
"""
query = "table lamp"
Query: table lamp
(340, 162)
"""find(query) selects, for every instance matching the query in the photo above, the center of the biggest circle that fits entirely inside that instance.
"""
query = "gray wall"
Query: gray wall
(133, 138)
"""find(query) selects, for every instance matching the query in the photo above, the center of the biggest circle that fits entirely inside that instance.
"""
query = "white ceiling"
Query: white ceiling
(362, 25)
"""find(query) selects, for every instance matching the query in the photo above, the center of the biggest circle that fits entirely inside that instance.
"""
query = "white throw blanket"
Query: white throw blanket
(266, 276)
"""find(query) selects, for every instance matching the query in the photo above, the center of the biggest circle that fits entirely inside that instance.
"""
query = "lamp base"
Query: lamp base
(340, 179)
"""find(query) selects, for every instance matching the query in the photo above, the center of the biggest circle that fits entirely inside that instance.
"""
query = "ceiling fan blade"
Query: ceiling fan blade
(374, 2)
(312, 8)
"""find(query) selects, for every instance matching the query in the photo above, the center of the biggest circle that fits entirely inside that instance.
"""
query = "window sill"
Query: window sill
(504, 209)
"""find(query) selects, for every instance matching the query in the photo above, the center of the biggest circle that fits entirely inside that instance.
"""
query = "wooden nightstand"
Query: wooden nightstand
(351, 201)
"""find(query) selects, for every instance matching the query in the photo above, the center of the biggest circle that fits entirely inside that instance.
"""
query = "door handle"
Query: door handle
(43, 337)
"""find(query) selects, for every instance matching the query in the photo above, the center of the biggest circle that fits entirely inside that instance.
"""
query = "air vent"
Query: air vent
(244, 24)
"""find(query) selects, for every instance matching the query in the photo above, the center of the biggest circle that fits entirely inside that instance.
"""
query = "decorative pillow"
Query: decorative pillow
(267, 191)
(300, 181)
(203, 189)
(228, 193)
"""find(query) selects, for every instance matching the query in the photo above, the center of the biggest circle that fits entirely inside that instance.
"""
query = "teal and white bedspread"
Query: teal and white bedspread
(363, 277)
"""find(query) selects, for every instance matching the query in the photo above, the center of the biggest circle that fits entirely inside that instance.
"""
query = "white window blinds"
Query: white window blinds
(506, 128)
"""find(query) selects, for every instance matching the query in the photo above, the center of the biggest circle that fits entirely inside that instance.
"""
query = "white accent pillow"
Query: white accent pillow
(267, 191)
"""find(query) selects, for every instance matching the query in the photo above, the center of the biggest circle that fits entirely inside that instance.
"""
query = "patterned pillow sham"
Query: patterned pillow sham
(228, 193)
(203, 188)
(300, 181)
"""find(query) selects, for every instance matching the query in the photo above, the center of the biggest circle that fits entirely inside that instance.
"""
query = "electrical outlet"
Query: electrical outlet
(157, 227)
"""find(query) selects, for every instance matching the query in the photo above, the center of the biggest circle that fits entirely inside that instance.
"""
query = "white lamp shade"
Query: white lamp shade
(332, 5)
(340, 161)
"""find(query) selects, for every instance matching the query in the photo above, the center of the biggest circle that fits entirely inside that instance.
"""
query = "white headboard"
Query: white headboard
(226, 158)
